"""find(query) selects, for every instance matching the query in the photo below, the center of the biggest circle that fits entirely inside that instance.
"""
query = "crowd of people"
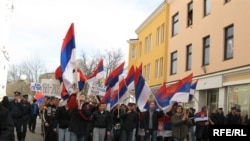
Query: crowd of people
(89, 120)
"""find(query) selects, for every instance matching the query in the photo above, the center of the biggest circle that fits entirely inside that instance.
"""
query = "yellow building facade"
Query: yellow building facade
(209, 38)
(149, 49)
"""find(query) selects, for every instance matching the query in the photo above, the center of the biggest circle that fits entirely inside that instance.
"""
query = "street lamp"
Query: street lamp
(23, 77)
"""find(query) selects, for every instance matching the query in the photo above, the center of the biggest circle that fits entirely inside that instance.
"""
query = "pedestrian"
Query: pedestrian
(62, 120)
(80, 124)
(151, 121)
(49, 121)
(34, 114)
(180, 123)
(26, 115)
(17, 114)
(129, 122)
(6, 125)
(101, 123)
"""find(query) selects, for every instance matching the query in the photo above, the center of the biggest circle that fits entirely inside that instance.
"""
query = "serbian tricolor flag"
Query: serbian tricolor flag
(166, 96)
(142, 91)
(81, 81)
(106, 97)
(113, 77)
(68, 59)
(201, 116)
(164, 123)
(192, 90)
(127, 85)
(182, 93)
(97, 72)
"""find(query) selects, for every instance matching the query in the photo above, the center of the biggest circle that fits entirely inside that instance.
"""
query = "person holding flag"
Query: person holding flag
(202, 122)
(180, 123)
(151, 121)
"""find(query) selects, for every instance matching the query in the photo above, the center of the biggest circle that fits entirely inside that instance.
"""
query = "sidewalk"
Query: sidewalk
(34, 136)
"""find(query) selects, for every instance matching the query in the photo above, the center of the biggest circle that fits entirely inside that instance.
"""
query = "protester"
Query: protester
(151, 122)
(116, 121)
(218, 117)
(191, 112)
(62, 118)
(129, 122)
(201, 130)
(49, 121)
(180, 124)
(232, 118)
(80, 119)
(101, 123)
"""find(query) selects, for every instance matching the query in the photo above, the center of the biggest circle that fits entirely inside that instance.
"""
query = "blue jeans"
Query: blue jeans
(191, 130)
(75, 137)
(152, 133)
(175, 139)
(127, 135)
(63, 134)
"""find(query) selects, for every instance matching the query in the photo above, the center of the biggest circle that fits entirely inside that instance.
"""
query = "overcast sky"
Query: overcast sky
(39, 26)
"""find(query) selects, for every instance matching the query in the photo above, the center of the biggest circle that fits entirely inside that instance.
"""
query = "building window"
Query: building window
(149, 42)
(190, 14)
(146, 45)
(189, 57)
(238, 96)
(212, 99)
(133, 52)
(158, 38)
(161, 67)
(162, 33)
(229, 40)
(206, 46)
(175, 26)
(207, 7)
(144, 71)
(157, 68)
(173, 63)
(140, 48)
(148, 72)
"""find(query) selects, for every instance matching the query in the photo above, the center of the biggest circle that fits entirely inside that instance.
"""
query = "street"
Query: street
(33, 136)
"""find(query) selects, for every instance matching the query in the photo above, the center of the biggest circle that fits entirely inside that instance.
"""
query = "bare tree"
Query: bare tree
(14, 72)
(111, 58)
(88, 63)
(32, 68)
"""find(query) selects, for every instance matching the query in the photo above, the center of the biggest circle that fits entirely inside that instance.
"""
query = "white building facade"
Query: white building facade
(6, 9)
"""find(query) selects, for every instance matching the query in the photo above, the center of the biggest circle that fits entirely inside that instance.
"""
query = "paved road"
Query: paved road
(34, 136)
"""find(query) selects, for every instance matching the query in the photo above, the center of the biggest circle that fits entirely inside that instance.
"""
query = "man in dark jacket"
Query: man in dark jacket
(80, 124)
(151, 122)
(62, 121)
(26, 115)
(101, 123)
(17, 114)
(6, 125)
(49, 121)
(129, 121)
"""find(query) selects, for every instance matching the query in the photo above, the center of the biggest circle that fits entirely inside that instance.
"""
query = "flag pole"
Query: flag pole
(151, 93)
(90, 87)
